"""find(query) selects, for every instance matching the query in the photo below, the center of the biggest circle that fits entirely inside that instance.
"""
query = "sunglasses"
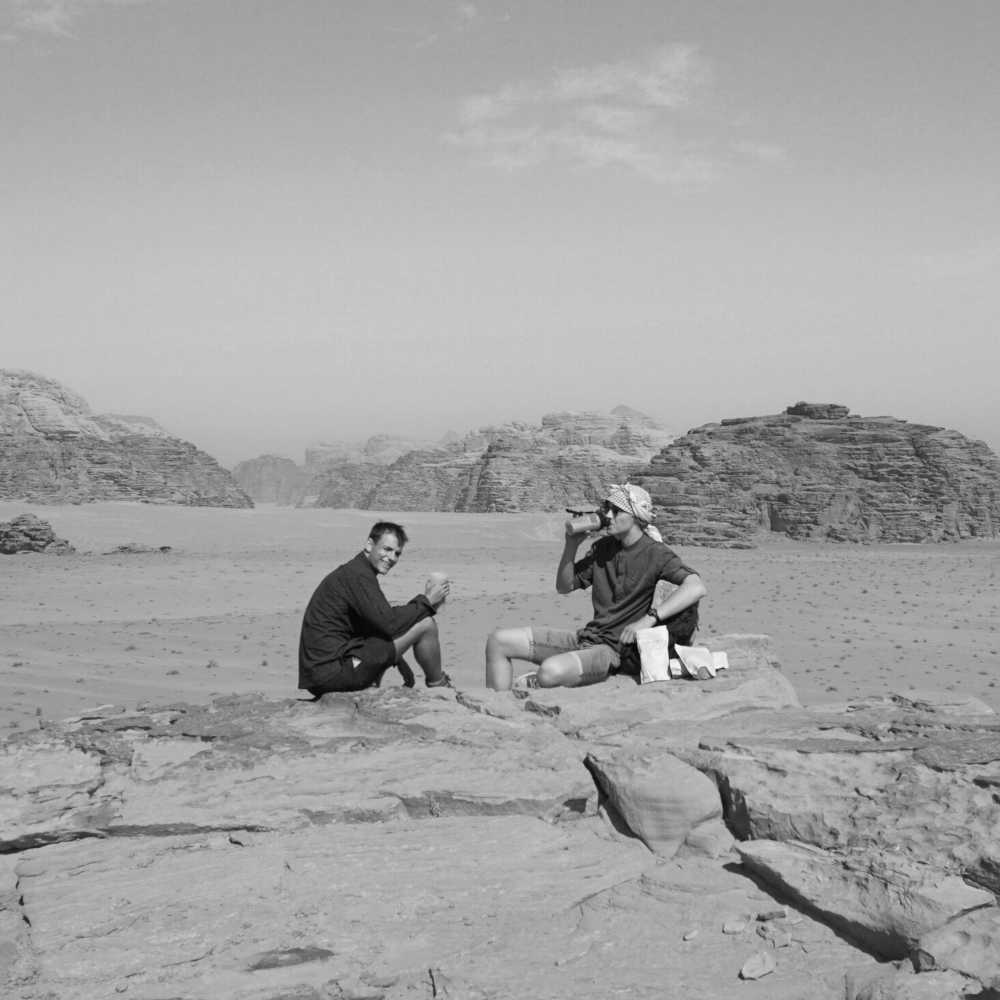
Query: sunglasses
(611, 510)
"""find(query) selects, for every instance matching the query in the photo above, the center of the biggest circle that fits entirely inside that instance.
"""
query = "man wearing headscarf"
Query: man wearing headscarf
(622, 569)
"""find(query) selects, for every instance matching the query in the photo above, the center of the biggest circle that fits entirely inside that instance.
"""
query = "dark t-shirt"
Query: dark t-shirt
(346, 608)
(622, 581)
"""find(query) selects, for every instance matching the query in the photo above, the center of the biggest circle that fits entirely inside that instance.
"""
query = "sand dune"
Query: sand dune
(220, 611)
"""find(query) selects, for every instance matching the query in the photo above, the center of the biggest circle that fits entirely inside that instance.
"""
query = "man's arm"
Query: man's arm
(382, 618)
(566, 570)
(690, 591)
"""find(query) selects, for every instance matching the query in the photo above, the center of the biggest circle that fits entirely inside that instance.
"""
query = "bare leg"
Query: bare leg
(576, 668)
(422, 638)
(503, 644)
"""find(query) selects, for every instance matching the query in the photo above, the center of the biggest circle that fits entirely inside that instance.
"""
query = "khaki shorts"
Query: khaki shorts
(596, 660)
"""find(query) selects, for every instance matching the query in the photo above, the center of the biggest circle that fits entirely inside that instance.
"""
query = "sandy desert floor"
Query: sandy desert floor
(220, 611)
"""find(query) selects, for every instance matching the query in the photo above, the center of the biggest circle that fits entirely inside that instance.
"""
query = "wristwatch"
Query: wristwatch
(656, 617)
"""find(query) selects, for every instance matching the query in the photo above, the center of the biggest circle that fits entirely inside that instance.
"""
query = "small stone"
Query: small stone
(779, 938)
(777, 914)
(691, 935)
(757, 966)
(737, 925)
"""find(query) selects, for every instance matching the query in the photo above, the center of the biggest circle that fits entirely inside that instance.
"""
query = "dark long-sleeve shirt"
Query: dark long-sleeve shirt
(345, 609)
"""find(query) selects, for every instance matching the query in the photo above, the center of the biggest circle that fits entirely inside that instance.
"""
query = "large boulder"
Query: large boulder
(28, 533)
(660, 798)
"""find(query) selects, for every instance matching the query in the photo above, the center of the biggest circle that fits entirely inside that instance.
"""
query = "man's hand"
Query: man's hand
(437, 589)
(628, 633)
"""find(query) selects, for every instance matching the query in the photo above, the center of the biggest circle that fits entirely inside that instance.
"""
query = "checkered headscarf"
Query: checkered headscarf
(633, 499)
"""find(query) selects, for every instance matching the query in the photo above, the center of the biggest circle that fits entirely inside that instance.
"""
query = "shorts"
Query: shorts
(596, 660)
(681, 627)
(355, 671)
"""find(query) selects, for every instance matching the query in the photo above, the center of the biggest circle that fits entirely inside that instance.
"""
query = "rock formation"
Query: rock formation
(569, 457)
(816, 472)
(54, 450)
(271, 479)
(601, 841)
(28, 533)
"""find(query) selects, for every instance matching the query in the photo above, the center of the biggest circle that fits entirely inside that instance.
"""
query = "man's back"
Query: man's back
(332, 624)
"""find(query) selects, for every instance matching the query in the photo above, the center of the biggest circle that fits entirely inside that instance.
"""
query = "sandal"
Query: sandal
(444, 681)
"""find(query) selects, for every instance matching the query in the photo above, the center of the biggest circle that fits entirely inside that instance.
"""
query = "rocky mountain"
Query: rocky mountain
(817, 471)
(271, 479)
(568, 457)
(54, 450)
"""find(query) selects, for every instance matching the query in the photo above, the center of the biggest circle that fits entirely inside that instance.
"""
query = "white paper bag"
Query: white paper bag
(654, 656)
(700, 662)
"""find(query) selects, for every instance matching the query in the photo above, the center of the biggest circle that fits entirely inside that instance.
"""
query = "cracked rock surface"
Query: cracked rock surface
(613, 840)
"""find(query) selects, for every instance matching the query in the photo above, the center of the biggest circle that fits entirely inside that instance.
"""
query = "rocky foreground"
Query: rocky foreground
(687, 839)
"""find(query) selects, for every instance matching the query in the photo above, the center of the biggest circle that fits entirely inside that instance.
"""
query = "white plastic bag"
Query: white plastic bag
(654, 657)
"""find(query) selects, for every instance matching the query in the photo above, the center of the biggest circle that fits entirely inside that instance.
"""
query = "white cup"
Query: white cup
(437, 577)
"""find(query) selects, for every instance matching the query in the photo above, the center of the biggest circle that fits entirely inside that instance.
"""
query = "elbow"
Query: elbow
(696, 587)
(564, 587)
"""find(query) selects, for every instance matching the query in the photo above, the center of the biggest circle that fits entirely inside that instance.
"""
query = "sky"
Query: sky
(268, 223)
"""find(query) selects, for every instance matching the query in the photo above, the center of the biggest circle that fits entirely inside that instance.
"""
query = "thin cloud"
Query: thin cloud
(667, 79)
(641, 115)
(461, 17)
(763, 152)
(55, 18)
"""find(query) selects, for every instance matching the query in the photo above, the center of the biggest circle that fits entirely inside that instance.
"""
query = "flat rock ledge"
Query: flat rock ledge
(698, 839)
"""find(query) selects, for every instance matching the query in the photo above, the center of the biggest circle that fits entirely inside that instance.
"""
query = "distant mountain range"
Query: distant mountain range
(815, 471)
(568, 458)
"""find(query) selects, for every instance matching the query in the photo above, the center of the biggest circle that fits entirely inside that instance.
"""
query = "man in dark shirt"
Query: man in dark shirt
(351, 634)
(622, 569)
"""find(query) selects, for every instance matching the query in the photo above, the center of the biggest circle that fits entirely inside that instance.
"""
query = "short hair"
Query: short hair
(380, 528)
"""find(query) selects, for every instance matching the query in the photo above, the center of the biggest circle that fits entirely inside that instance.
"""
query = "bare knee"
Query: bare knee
(559, 671)
(508, 642)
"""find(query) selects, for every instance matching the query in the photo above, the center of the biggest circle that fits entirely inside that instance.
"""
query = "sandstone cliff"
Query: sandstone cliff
(54, 450)
(818, 472)
(568, 457)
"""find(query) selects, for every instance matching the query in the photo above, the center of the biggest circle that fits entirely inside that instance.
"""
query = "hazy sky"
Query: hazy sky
(270, 222)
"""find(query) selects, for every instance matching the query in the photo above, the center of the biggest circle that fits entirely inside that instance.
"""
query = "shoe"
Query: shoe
(444, 681)
(526, 681)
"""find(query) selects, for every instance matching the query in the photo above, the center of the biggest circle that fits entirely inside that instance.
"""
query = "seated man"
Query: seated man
(351, 634)
(622, 569)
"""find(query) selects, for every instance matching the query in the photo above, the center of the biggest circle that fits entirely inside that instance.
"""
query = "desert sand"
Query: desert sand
(219, 612)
